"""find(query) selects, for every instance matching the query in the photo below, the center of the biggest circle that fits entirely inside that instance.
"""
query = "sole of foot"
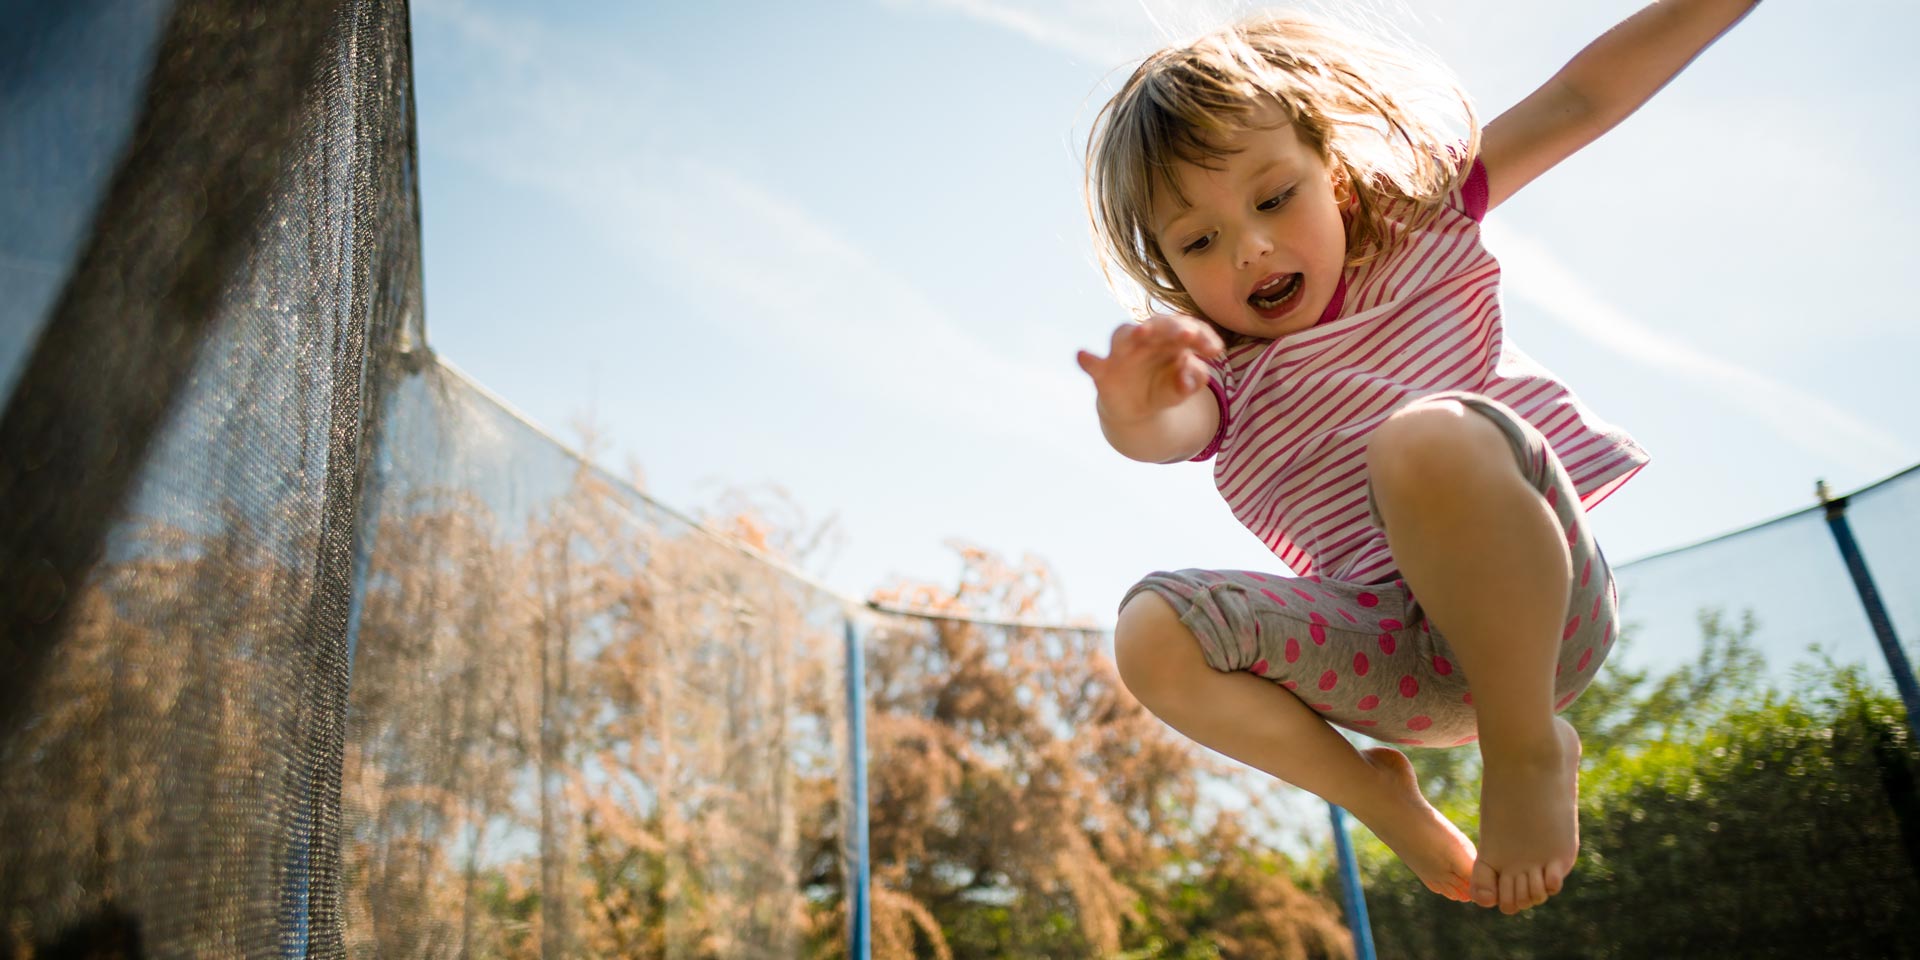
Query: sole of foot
(1425, 840)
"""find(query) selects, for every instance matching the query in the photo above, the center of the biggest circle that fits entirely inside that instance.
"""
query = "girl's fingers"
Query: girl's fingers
(1187, 331)
(1210, 342)
(1164, 352)
(1193, 373)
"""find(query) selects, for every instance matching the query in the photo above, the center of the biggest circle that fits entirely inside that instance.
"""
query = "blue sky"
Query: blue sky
(841, 248)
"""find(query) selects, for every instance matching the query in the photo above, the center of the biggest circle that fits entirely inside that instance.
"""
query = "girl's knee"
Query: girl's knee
(1150, 643)
(1429, 441)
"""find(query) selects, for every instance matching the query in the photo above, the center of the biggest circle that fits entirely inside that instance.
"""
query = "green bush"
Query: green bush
(1718, 819)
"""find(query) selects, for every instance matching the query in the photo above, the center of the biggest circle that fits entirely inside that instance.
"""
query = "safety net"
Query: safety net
(310, 646)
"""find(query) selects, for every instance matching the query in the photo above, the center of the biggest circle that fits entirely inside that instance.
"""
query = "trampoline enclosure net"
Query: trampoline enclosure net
(237, 486)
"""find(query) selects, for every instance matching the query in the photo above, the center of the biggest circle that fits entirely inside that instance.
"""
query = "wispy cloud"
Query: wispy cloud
(1100, 32)
(1112, 33)
(574, 122)
(1804, 418)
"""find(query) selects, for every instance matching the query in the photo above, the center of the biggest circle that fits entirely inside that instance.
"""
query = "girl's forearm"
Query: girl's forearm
(1623, 69)
(1164, 436)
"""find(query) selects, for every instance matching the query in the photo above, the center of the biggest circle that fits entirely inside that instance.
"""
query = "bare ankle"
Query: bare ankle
(1526, 749)
(1395, 788)
(1530, 745)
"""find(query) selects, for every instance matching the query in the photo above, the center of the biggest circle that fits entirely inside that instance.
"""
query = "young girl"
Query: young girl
(1335, 345)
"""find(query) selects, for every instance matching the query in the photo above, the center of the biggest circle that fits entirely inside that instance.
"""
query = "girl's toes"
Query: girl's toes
(1536, 887)
(1486, 890)
(1510, 892)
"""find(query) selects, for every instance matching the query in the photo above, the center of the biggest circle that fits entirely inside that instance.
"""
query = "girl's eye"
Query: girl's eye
(1275, 202)
(1197, 245)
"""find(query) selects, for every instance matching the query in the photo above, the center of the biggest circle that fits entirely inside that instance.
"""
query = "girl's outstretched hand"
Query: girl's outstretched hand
(1151, 365)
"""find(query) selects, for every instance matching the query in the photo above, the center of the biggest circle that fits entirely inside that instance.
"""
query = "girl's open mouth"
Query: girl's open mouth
(1278, 295)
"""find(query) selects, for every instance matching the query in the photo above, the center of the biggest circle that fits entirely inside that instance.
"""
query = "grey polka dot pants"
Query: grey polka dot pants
(1365, 656)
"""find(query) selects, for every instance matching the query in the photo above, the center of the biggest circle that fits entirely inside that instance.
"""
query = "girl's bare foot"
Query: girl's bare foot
(1439, 854)
(1529, 821)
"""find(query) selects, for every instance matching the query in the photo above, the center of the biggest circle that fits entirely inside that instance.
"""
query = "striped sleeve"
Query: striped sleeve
(1473, 192)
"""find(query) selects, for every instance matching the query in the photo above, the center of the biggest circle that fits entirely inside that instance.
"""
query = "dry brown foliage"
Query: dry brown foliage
(632, 734)
(1013, 777)
(589, 729)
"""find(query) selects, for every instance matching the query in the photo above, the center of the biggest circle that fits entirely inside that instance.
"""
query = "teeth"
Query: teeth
(1281, 290)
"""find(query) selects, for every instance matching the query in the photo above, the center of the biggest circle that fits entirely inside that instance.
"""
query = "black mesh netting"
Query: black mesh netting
(218, 232)
(236, 485)
(580, 726)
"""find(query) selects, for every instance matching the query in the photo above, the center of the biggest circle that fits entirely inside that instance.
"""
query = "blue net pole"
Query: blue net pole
(1354, 897)
(859, 879)
(1876, 611)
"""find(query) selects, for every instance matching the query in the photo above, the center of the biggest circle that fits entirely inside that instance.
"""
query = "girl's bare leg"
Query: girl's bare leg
(1263, 725)
(1489, 562)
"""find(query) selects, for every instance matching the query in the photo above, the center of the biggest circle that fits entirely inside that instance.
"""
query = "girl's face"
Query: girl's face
(1260, 243)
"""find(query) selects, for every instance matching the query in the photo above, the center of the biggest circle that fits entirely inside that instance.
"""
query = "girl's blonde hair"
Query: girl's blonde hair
(1374, 114)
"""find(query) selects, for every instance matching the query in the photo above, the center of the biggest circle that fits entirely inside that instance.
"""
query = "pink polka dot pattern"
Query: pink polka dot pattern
(1354, 672)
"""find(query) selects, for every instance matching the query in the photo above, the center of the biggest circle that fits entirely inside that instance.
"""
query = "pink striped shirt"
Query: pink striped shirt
(1295, 413)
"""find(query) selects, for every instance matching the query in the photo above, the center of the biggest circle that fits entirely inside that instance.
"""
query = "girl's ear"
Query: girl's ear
(1343, 192)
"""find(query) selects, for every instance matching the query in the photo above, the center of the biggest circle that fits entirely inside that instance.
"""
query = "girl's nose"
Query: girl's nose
(1254, 245)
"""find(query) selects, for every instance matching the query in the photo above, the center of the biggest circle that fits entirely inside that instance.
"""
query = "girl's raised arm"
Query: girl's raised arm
(1600, 87)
